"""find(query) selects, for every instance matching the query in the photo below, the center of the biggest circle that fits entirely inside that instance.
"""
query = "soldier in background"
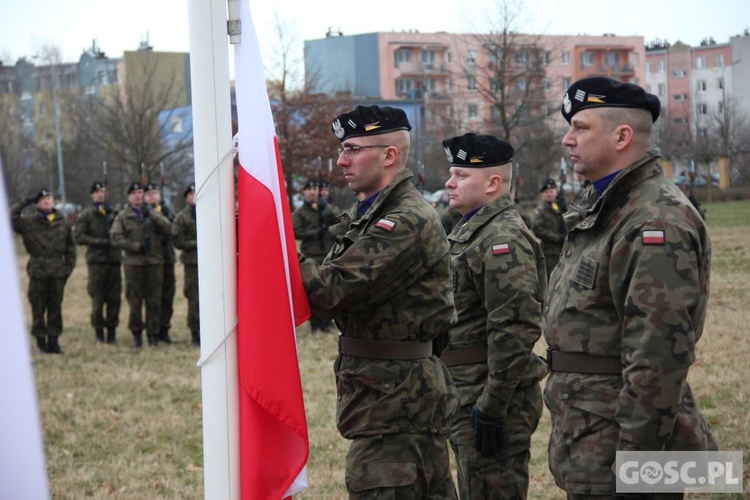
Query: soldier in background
(548, 224)
(386, 282)
(169, 283)
(52, 257)
(185, 237)
(499, 283)
(627, 303)
(325, 196)
(136, 231)
(103, 261)
(311, 222)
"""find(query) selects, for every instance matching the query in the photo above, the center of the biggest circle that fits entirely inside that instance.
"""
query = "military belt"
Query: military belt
(466, 356)
(578, 362)
(372, 349)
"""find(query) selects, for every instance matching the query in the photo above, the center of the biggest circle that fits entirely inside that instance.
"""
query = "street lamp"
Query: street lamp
(60, 170)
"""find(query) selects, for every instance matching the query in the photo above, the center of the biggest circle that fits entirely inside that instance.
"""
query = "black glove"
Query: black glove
(145, 211)
(145, 247)
(488, 432)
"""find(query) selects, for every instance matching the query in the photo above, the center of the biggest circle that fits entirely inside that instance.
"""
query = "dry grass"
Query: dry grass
(125, 424)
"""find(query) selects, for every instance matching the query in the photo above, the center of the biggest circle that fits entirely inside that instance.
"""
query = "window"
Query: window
(403, 56)
(428, 85)
(428, 59)
(680, 121)
(471, 82)
(701, 85)
(721, 107)
(473, 111)
(702, 109)
(587, 58)
(448, 56)
(613, 58)
(648, 88)
(721, 83)
(678, 73)
(565, 58)
(700, 62)
(662, 89)
(546, 57)
(702, 132)
(661, 66)
(522, 57)
(720, 60)
(679, 97)
(471, 57)
(522, 85)
(403, 86)
(495, 86)
(547, 84)
(565, 83)
(648, 67)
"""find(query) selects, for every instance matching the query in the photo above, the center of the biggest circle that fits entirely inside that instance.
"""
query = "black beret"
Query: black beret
(602, 92)
(477, 151)
(151, 186)
(311, 183)
(41, 194)
(369, 120)
(133, 186)
(96, 186)
(324, 183)
(548, 184)
(189, 189)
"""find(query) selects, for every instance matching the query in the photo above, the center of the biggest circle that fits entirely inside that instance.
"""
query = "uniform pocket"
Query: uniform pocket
(368, 476)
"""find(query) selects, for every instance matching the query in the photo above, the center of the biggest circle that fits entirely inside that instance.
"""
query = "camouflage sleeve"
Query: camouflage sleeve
(543, 229)
(70, 251)
(117, 233)
(180, 237)
(512, 294)
(163, 226)
(82, 232)
(659, 282)
(383, 261)
(16, 218)
(303, 229)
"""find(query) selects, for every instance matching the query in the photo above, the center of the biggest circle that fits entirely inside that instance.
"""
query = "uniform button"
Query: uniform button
(564, 397)
(387, 386)
(568, 253)
(546, 309)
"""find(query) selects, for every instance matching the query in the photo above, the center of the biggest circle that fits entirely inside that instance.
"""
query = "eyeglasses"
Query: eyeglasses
(352, 150)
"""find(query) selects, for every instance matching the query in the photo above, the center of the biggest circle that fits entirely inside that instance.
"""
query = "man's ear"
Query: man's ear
(494, 183)
(623, 137)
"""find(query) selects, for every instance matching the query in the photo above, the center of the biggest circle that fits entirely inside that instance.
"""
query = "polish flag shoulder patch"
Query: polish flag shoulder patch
(500, 249)
(386, 224)
(652, 237)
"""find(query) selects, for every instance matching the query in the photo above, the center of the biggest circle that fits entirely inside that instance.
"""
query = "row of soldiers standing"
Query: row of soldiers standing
(140, 239)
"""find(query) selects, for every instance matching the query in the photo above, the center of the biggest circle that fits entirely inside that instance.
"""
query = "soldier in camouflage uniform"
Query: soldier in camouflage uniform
(168, 282)
(548, 224)
(103, 261)
(136, 232)
(52, 257)
(185, 237)
(386, 282)
(627, 302)
(499, 283)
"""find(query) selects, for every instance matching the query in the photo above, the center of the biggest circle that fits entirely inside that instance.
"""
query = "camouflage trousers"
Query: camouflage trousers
(399, 466)
(505, 475)
(190, 290)
(105, 289)
(168, 288)
(46, 296)
(143, 288)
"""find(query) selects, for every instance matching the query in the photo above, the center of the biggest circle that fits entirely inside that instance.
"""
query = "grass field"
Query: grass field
(127, 424)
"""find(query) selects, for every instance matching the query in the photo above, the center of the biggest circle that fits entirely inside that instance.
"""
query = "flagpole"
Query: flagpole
(217, 264)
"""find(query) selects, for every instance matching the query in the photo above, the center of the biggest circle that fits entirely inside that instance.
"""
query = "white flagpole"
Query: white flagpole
(217, 256)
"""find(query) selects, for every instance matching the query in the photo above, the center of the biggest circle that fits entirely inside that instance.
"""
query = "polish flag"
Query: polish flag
(271, 299)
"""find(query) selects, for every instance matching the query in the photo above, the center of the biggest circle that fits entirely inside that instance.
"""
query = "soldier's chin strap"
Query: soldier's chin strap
(223, 160)
(205, 359)
(229, 155)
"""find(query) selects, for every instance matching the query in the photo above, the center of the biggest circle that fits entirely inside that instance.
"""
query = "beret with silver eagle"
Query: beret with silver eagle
(189, 189)
(134, 186)
(369, 120)
(96, 186)
(477, 151)
(548, 183)
(44, 192)
(601, 92)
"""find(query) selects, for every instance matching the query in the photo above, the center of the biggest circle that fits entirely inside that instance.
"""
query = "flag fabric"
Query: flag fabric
(271, 299)
(22, 466)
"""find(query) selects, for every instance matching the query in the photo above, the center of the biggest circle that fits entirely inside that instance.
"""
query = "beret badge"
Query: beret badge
(567, 105)
(448, 154)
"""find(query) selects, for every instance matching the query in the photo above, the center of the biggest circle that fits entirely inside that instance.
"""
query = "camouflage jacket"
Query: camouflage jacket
(185, 235)
(170, 256)
(632, 283)
(139, 237)
(92, 229)
(49, 241)
(548, 225)
(499, 284)
(311, 227)
(387, 278)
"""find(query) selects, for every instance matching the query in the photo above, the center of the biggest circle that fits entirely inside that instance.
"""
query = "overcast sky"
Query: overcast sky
(71, 25)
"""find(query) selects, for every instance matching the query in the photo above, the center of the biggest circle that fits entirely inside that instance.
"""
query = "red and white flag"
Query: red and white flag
(271, 299)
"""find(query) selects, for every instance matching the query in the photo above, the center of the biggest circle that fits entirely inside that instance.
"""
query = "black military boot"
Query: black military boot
(164, 336)
(99, 335)
(153, 340)
(53, 347)
(196, 339)
(41, 343)
(137, 339)
(111, 337)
